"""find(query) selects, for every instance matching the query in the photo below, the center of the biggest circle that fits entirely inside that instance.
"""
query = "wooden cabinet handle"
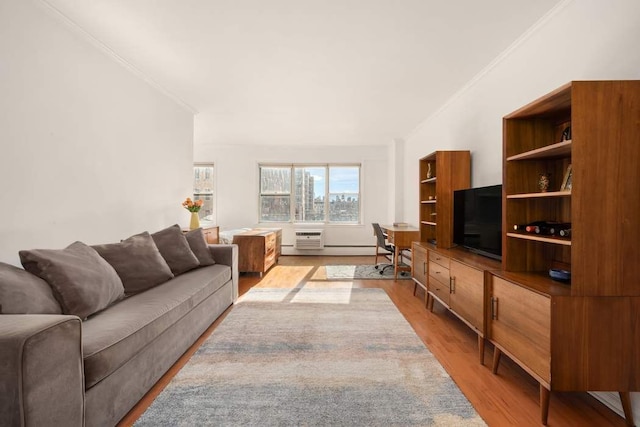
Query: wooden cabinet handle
(494, 308)
(424, 268)
(451, 285)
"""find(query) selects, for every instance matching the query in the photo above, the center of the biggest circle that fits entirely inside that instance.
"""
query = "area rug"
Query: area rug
(361, 272)
(312, 357)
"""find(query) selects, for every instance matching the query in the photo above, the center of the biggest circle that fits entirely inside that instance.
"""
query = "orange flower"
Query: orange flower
(189, 205)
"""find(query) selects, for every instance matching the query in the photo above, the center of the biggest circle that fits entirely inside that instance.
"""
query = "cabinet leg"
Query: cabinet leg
(625, 398)
(496, 360)
(544, 404)
(481, 349)
(430, 303)
(415, 288)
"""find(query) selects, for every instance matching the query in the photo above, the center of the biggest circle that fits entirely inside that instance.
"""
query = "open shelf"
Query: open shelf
(538, 238)
(560, 149)
(436, 195)
(537, 195)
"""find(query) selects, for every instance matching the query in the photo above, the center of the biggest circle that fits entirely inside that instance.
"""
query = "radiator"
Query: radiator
(309, 239)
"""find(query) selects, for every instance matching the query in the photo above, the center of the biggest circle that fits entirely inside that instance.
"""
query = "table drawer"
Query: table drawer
(269, 259)
(439, 284)
(439, 259)
(439, 272)
(269, 242)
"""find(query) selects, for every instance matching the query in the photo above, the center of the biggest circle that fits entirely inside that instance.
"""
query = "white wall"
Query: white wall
(236, 169)
(579, 40)
(88, 151)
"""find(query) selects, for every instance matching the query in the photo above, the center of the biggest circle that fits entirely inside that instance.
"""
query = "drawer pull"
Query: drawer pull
(494, 308)
(424, 268)
(452, 285)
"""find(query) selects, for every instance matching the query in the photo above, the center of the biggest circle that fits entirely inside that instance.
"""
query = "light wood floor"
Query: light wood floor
(509, 398)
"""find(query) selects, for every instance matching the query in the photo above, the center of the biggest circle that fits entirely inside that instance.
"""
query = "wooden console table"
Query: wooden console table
(211, 233)
(258, 249)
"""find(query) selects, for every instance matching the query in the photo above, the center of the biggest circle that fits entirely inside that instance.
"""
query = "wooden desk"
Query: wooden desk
(401, 238)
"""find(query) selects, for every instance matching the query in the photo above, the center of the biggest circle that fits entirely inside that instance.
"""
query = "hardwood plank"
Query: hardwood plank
(509, 398)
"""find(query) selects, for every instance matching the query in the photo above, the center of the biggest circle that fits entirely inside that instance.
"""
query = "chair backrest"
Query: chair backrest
(380, 235)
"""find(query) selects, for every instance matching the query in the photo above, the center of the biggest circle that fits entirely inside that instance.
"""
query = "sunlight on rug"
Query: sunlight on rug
(361, 272)
(273, 361)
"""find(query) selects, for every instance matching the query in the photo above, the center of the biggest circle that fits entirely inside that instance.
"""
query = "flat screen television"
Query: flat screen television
(477, 220)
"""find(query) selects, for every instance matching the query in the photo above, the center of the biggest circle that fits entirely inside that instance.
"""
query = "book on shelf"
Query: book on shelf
(400, 224)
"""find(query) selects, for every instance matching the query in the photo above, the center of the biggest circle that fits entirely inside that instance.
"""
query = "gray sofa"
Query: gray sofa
(67, 370)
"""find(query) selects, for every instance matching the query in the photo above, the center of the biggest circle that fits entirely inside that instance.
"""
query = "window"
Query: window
(203, 189)
(344, 194)
(310, 193)
(275, 194)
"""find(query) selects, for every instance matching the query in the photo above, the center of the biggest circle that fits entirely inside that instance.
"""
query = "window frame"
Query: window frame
(292, 195)
(213, 190)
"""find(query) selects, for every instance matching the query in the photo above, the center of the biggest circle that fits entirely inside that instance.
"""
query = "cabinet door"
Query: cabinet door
(467, 293)
(419, 265)
(439, 285)
(520, 323)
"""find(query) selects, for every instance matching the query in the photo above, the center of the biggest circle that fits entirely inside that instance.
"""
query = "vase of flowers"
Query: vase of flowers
(194, 208)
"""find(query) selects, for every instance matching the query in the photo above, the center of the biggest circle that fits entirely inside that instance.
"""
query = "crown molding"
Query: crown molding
(500, 58)
(113, 55)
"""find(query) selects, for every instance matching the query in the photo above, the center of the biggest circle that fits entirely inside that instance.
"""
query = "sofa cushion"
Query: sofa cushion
(137, 261)
(24, 293)
(175, 250)
(113, 336)
(199, 247)
(81, 280)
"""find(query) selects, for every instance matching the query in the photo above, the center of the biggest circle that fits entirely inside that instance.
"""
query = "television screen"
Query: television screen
(477, 220)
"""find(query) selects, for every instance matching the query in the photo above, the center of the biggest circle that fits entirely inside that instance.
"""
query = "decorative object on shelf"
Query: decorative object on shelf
(566, 134)
(194, 208)
(560, 275)
(428, 170)
(547, 228)
(543, 181)
(566, 182)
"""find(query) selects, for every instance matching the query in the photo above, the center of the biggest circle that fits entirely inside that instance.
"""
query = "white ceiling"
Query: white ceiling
(321, 72)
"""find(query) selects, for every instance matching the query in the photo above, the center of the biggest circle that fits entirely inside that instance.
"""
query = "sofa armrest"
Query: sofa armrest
(227, 254)
(41, 370)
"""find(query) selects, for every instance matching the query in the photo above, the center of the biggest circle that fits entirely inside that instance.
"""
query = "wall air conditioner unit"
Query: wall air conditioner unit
(309, 239)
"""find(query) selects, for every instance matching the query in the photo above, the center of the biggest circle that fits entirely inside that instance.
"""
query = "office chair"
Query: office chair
(381, 243)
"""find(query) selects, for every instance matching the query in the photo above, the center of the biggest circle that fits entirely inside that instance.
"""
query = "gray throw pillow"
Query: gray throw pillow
(175, 250)
(137, 261)
(24, 293)
(199, 246)
(82, 282)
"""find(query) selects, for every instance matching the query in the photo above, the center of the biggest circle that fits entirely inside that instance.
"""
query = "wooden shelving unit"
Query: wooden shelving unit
(441, 173)
(578, 337)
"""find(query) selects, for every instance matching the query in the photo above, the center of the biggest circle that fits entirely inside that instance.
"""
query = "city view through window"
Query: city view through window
(203, 190)
(326, 193)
